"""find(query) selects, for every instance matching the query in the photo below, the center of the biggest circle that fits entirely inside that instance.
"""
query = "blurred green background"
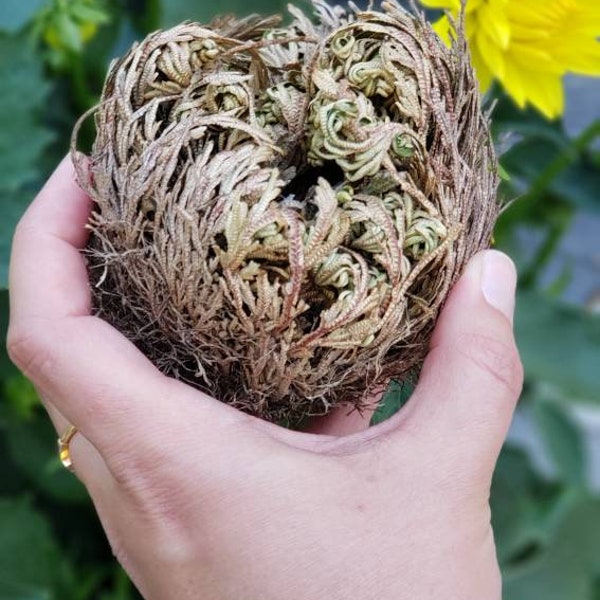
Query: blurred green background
(545, 502)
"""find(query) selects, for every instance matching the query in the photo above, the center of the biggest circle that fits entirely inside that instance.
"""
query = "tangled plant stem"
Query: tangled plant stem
(281, 212)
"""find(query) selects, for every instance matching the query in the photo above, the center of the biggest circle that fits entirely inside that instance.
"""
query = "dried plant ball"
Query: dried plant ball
(281, 211)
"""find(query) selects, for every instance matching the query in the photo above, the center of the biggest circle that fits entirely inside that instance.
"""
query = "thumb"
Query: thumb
(472, 377)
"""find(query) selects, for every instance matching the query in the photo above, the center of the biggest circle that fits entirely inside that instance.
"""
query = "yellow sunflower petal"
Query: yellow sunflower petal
(528, 34)
(492, 18)
(473, 5)
(453, 5)
(513, 82)
(443, 28)
(532, 14)
(491, 53)
(585, 63)
(582, 22)
(579, 56)
(484, 75)
(545, 92)
(534, 58)
(529, 44)
(590, 5)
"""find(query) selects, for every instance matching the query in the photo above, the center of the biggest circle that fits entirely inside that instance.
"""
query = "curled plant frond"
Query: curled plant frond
(280, 212)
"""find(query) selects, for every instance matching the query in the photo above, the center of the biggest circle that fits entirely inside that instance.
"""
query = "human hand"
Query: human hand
(200, 501)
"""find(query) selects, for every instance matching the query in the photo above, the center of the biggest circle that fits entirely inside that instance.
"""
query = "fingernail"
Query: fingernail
(499, 281)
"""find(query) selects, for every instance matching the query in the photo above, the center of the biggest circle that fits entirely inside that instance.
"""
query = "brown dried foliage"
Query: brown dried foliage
(280, 212)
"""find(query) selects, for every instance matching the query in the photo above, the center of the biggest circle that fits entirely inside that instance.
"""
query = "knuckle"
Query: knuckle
(133, 461)
(22, 230)
(155, 492)
(139, 463)
(29, 350)
(132, 466)
(25, 231)
(498, 360)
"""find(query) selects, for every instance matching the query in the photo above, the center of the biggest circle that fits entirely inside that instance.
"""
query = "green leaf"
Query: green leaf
(11, 209)
(568, 568)
(175, 11)
(545, 163)
(7, 369)
(89, 13)
(510, 502)
(512, 121)
(521, 504)
(24, 95)
(23, 137)
(67, 32)
(596, 589)
(21, 396)
(147, 19)
(579, 184)
(562, 439)
(395, 397)
(32, 448)
(122, 587)
(15, 14)
(503, 173)
(550, 579)
(31, 563)
(559, 344)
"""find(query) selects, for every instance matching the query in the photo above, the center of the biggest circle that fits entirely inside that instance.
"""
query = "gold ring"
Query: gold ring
(64, 453)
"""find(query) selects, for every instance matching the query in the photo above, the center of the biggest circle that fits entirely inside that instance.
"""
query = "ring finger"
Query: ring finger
(87, 464)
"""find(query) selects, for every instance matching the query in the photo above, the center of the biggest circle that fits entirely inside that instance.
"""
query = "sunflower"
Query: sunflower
(528, 45)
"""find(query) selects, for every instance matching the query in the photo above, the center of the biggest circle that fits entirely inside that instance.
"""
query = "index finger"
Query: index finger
(48, 277)
(95, 377)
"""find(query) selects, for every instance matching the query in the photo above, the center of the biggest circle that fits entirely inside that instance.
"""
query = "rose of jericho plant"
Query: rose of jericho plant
(281, 211)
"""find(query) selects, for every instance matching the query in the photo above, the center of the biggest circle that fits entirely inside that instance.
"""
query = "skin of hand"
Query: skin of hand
(200, 501)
